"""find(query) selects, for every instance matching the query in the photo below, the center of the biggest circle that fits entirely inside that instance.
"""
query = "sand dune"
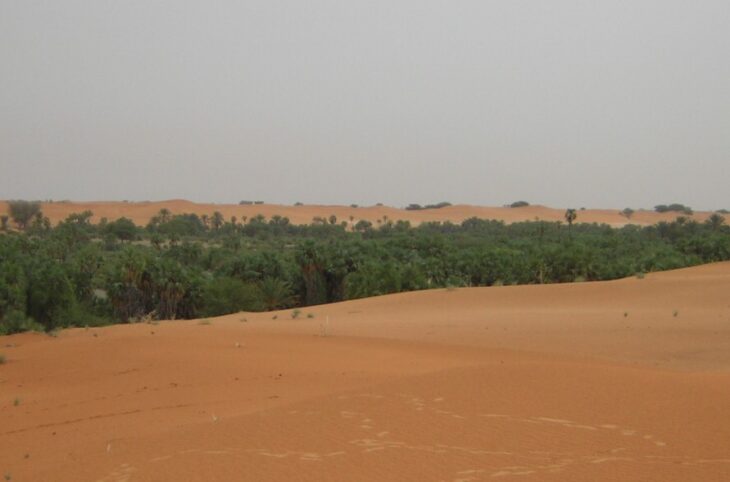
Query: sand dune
(625, 380)
(142, 212)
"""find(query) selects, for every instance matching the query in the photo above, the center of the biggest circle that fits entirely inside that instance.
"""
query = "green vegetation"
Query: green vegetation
(519, 204)
(417, 207)
(187, 266)
(23, 212)
(676, 207)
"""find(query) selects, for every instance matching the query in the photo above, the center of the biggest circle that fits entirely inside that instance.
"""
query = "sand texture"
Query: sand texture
(625, 380)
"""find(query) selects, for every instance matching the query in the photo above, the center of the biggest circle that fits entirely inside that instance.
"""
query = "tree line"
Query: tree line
(80, 273)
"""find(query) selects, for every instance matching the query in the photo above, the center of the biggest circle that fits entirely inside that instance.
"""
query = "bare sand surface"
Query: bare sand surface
(626, 380)
(142, 212)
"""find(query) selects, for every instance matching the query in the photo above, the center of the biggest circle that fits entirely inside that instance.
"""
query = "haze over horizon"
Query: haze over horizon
(566, 104)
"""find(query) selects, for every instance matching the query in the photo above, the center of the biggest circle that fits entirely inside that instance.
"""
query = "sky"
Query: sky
(599, 104)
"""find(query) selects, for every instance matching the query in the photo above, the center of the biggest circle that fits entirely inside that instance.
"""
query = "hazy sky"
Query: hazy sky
(566, 103)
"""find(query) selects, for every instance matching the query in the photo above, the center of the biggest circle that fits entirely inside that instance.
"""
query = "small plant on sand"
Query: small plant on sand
(16, 402)
(243, 320)
(2, 358)
(310, 315)
(275, 317)
(7, 476)
(675, 313)
(295, 314)
(640, 275)
(204, 322)
(626, 314)
(54, 333)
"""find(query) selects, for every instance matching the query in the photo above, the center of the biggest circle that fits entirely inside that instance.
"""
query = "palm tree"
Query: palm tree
(276, 293)
(570, 216)
(217, 220)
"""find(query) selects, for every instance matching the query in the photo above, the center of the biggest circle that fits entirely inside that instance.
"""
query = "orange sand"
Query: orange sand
(626, 380)
(141, 212)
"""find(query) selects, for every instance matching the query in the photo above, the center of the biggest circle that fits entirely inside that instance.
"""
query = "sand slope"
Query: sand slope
(625, 380)
(141, 212)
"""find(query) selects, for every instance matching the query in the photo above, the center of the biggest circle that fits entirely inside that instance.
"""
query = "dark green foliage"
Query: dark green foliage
(675, 207)
(519, 204)
(185, 266)
(416, 207)
(229, 295)
(23, 212)
(627, 213)
(570, 216)
(123, 229)
(276, 294)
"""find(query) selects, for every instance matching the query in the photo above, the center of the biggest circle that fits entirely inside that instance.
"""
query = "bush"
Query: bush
(23, 212)
(417, 207)
(222, 296)
(123, 229)
(519, 204)
(675, 207)
(17, 322)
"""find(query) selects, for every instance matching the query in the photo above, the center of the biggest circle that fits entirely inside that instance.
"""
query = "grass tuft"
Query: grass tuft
(295, 313)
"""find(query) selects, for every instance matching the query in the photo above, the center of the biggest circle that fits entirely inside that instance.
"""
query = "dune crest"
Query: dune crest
(142, 212)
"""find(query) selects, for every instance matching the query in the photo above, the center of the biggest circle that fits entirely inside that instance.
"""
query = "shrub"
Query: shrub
(222, 296)
(674, 207)
(519, 204)
(123, 229)
(23, 212)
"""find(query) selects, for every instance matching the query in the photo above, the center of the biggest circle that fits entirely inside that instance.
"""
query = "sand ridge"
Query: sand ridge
(142, 212)
(619, 380)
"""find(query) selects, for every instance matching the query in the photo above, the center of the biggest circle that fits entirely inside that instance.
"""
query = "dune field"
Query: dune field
(625, 380)
(142, 212)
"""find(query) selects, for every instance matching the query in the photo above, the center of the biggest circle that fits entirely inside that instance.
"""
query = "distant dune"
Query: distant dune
(624, 380)
(142, 212)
